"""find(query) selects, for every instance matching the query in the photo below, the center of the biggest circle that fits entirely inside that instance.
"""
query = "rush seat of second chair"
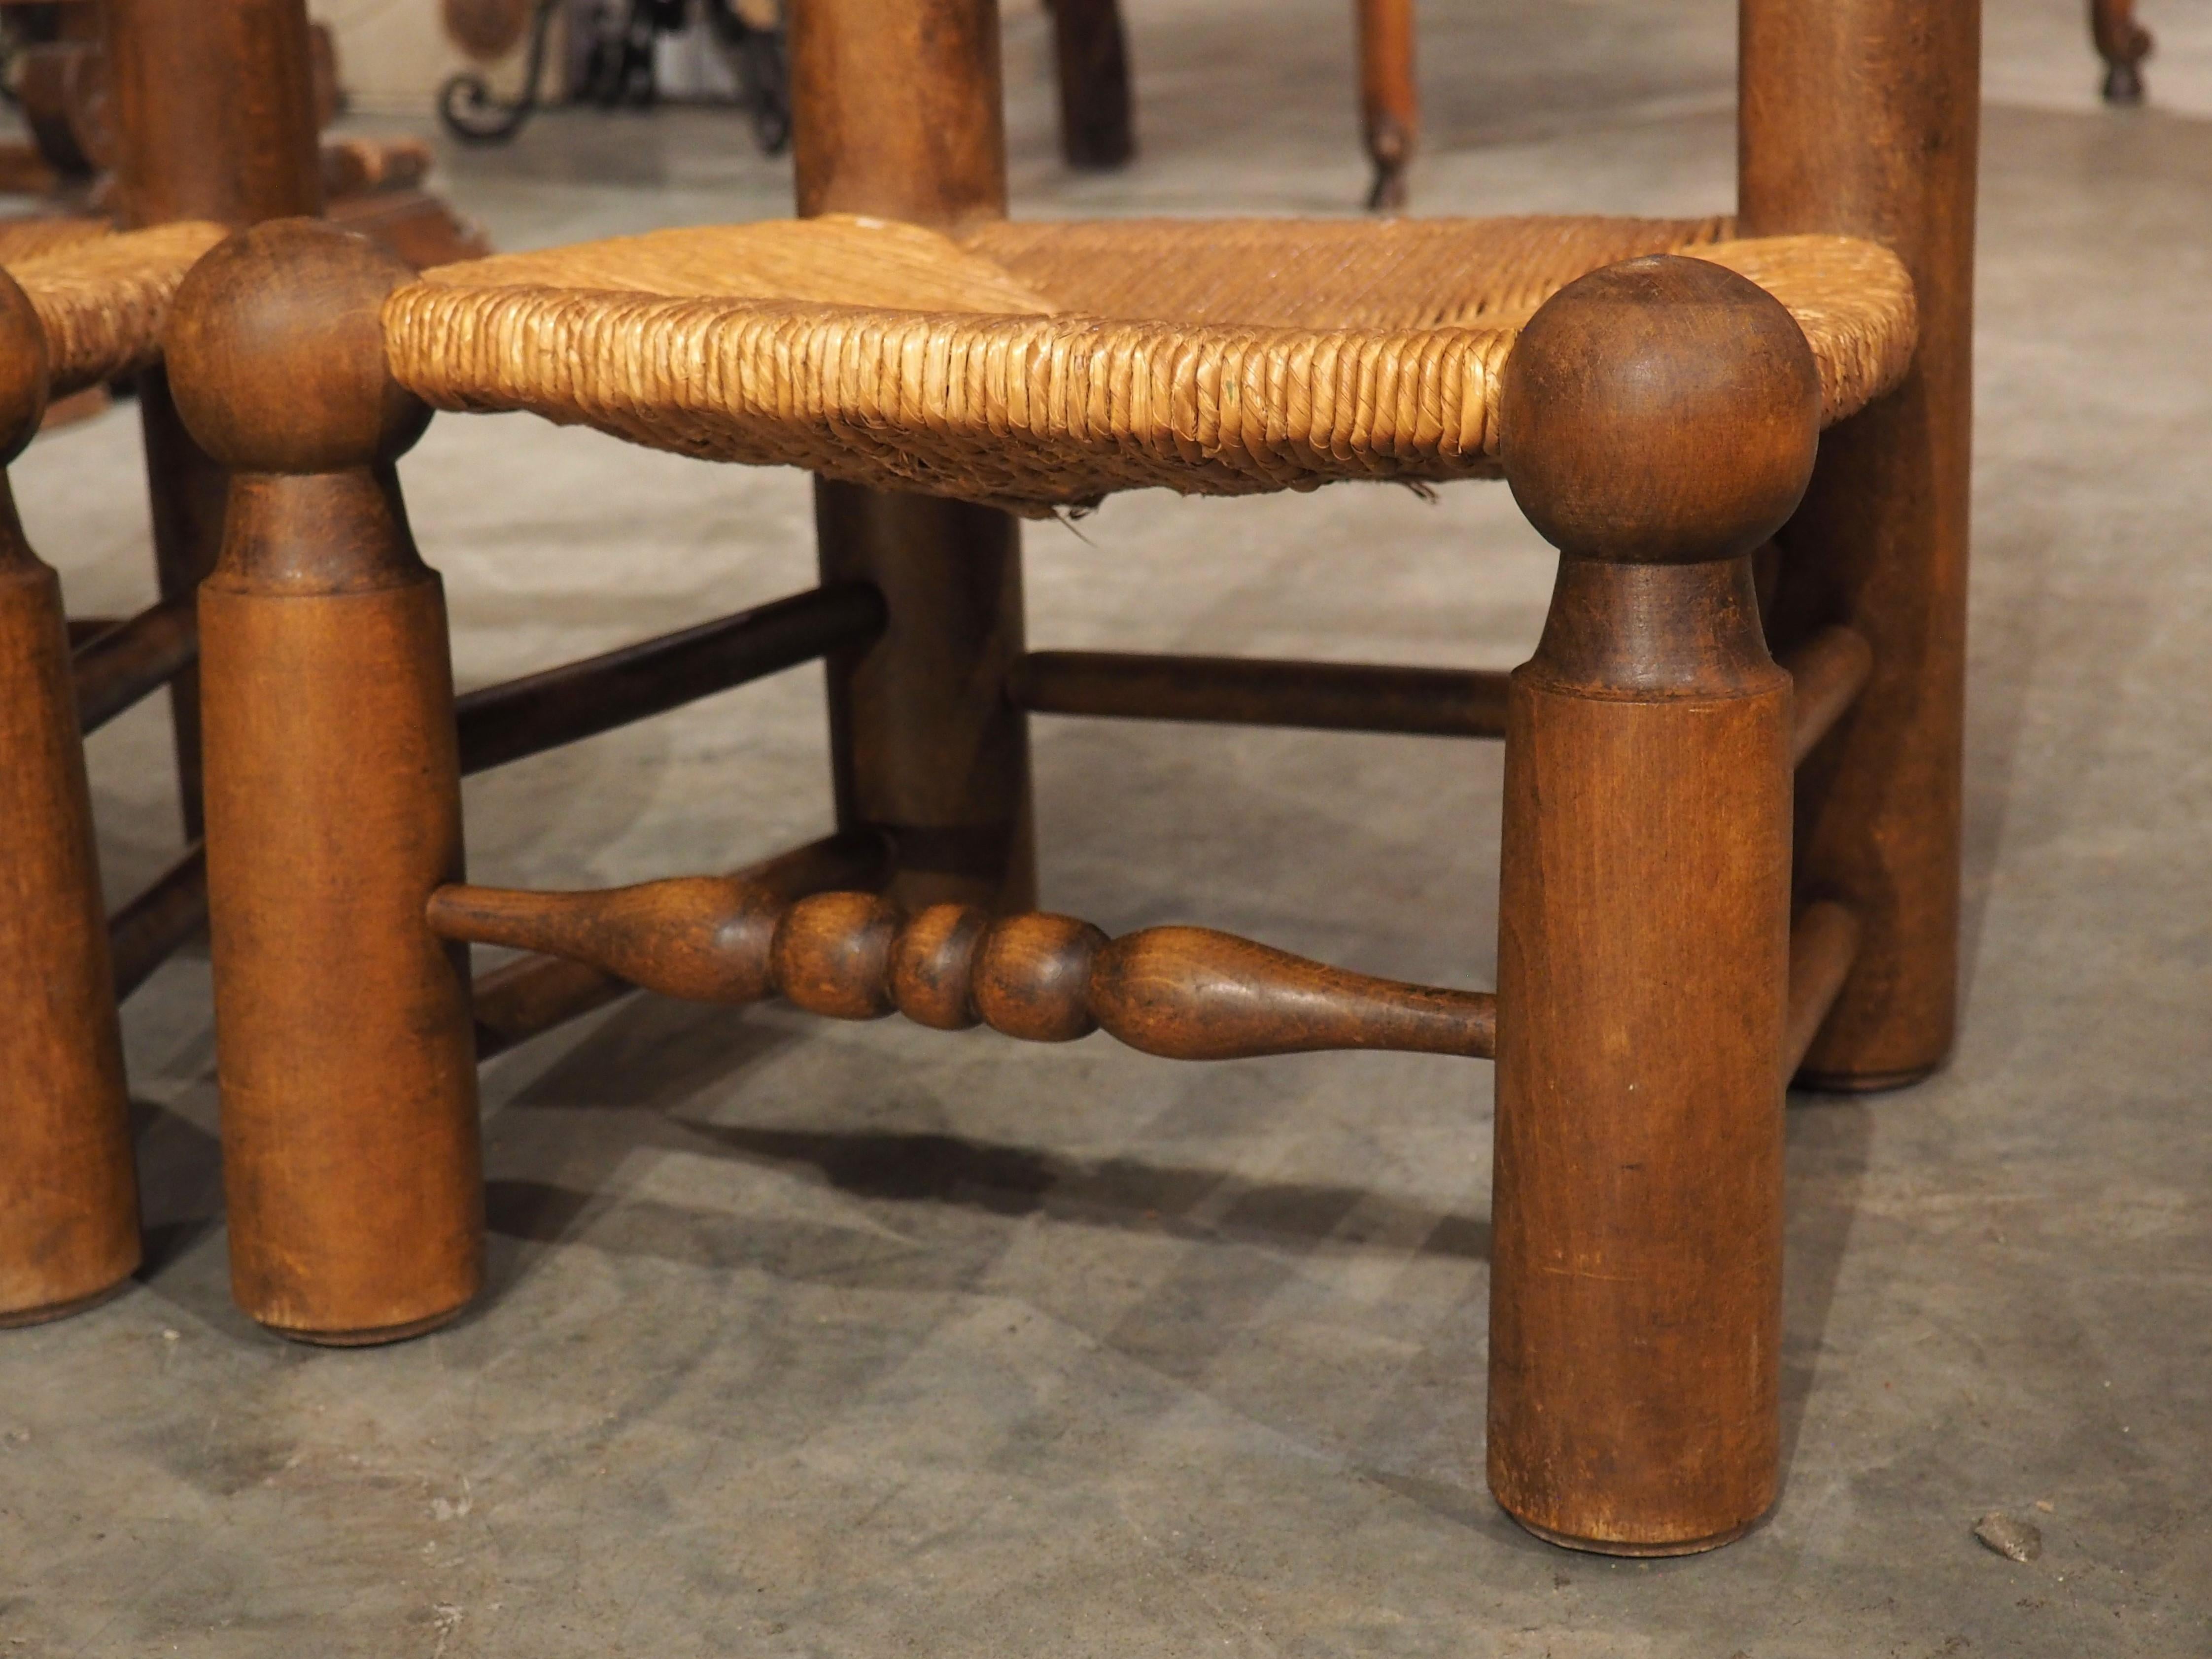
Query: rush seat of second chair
(1735, 434)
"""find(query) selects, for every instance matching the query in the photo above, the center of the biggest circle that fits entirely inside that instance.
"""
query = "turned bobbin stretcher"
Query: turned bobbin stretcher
(1731, 839)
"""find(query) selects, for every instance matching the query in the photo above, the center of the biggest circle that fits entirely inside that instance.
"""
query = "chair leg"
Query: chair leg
(1661, 419)
(1881, 542)
(2122, 43)
(924, 741)
(1389, 101)
(68, 1197)
(345, 1045)
(1098, 130)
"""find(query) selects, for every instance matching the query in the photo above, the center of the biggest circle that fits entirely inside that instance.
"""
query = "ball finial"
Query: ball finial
(1660, 411)
(22, 370)
(276, 351)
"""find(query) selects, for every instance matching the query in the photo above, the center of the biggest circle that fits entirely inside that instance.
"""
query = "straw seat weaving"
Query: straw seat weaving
(1040, 365)
(101, 298)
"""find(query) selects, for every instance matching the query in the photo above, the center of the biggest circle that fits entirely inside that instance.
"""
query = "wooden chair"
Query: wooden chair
(1653, 389)
(214, 130)
(1097, 126)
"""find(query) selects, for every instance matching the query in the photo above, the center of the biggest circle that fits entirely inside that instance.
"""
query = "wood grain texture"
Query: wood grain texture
(896, 110)
(533, 995)
(1659, 423)
(69, 1200)
(345, 1050)
(1179, 993)
(215, 110)
(1861, 117)
(133, 660)
(1320, 696)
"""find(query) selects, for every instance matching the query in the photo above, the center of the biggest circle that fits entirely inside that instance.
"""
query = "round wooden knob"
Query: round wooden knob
(276, 351)
(1660, 411)
(22, 370)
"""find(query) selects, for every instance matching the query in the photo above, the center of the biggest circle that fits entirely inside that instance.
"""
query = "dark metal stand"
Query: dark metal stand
(620, 72)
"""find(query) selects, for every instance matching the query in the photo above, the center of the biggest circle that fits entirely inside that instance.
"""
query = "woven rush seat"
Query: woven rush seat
(1036, 367)
(101, 298)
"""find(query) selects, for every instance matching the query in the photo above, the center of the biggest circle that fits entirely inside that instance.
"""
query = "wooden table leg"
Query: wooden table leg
(68, 1197)
(344, 1044)
(1660, 418)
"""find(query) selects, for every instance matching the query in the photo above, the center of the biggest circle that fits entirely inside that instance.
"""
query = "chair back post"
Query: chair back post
(1861, 117)
(897, 112)
(215, 110)
(214, 119)
(898, 109)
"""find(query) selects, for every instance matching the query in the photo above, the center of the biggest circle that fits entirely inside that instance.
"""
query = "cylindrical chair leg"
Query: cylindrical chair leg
(69, 1196)
(896, 111)
(1660, 421)
(1389, 98)
(345, 1045)
(1643, 969)
(1835, 94)
(925, 742)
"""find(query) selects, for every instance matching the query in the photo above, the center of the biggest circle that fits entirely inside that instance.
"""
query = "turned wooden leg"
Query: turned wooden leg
(1660, 418)
(186, 492)
(1389, 101)
(924, 741)
(69, 1197)
(1880, 544)
(1091, 57)
(2122, 43)
(896, 111)
(345, 1051)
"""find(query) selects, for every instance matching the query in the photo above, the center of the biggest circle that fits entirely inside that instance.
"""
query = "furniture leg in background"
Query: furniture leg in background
(1389, 98)
(2122, 43)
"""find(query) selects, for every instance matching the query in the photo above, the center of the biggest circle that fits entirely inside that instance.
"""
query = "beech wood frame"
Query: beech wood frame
(1655, 993)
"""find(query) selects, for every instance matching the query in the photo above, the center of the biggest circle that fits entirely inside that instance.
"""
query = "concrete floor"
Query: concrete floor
(806, 1339)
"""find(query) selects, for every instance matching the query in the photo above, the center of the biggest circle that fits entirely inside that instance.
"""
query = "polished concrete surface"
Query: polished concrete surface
(809, 1339)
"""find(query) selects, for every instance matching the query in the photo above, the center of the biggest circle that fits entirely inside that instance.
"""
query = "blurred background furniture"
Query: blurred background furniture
(1097, 124)
(615, 49)
(63, 81)
(2122, 43)
(1665, 961)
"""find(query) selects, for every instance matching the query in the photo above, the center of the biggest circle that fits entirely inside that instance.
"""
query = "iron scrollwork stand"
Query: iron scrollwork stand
(621, 72)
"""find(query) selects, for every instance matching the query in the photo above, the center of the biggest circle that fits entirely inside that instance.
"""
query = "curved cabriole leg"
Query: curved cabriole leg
(897, 112)
(345, 1045)
(69, 1195)
(1660, 418)
(1859, 118)
(1390, 99)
